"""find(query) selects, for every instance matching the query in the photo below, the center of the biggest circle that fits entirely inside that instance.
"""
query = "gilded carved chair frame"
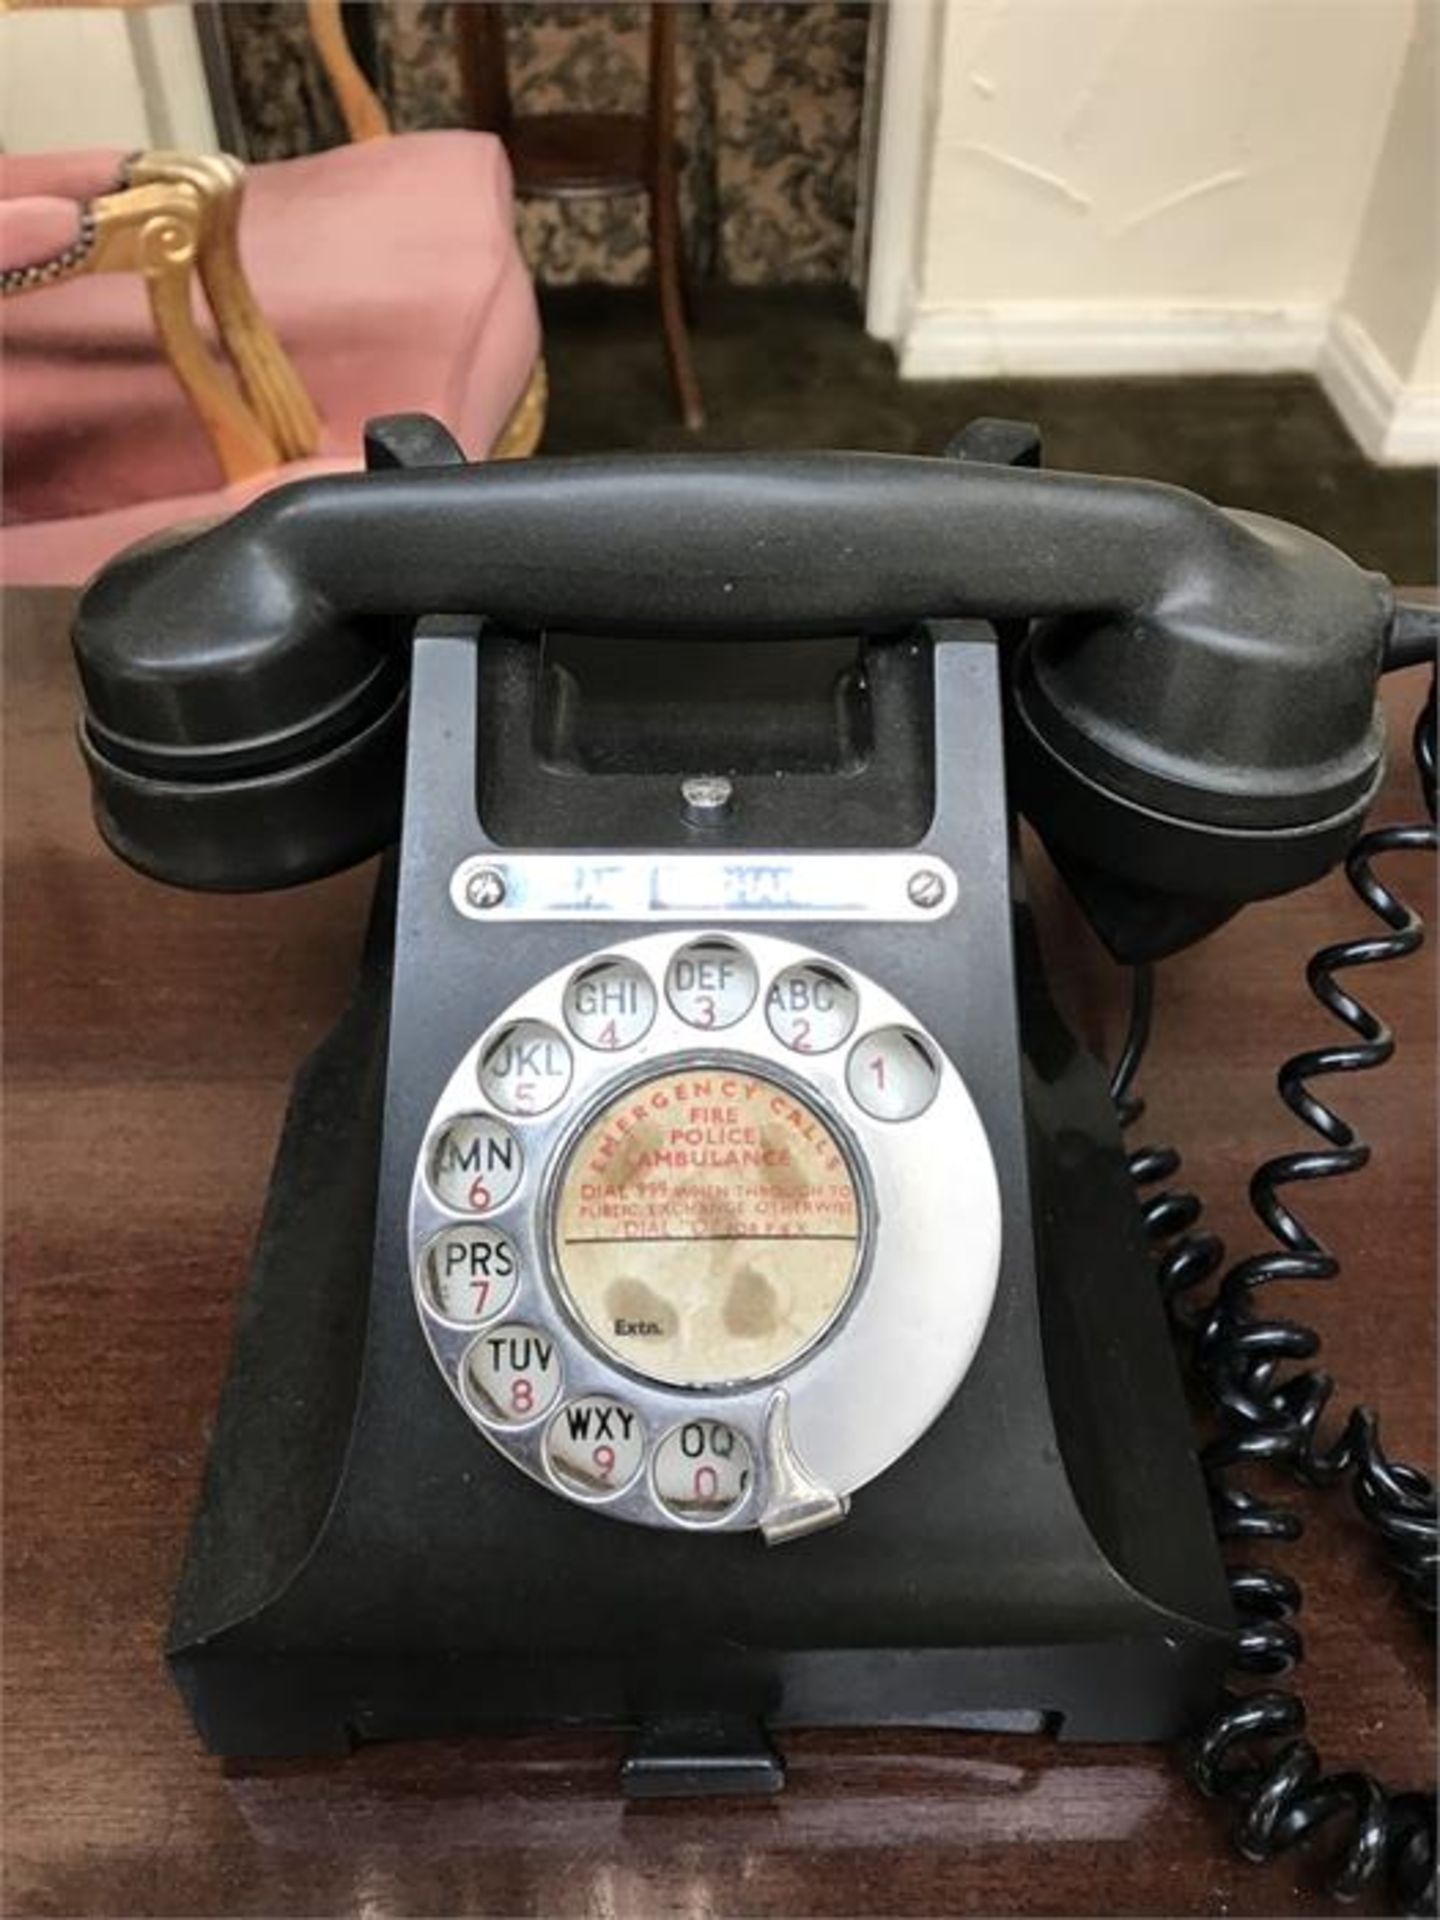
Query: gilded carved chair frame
(175, 217)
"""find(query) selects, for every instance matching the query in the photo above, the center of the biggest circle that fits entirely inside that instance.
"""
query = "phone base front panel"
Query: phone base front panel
(416, 1520)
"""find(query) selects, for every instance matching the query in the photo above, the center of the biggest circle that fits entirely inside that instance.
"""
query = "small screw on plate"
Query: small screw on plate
(485, 887)
(926, 888)
(706, 798)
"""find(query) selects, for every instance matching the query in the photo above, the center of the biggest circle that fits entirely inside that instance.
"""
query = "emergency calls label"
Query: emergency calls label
(707, 1226)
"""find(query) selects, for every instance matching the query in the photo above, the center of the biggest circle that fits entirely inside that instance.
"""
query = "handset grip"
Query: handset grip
(740, 546)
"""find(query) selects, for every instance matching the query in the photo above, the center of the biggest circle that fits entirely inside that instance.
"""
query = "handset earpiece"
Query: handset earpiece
(1176, 780)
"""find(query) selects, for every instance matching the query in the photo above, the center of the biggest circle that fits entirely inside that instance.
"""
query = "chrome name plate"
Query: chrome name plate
(713, 886)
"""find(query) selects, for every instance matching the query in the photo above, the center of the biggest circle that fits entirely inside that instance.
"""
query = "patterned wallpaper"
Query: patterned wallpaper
(768, 117)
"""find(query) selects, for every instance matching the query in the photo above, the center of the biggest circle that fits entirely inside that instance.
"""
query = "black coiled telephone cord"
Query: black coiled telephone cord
(1265, 1405)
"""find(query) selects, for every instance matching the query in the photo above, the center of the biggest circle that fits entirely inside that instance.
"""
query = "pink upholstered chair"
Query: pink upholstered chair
(388, 269)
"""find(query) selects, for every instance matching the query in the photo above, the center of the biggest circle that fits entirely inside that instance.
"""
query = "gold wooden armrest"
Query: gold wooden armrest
(520, 435)
(274, 388)
(155, 230)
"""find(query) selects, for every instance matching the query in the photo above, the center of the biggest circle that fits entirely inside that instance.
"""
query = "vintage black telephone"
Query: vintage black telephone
(703, 1287)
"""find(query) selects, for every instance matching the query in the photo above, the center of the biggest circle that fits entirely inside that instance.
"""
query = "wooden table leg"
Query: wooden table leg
(665, 219)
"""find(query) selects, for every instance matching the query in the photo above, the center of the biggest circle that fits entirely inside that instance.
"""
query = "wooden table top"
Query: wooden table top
(150, 1039)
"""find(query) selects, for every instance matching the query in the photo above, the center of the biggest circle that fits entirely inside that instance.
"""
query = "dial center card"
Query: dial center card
(707, 1225)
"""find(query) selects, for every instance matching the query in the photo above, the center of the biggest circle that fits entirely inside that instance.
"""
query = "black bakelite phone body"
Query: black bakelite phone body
(701, 1289)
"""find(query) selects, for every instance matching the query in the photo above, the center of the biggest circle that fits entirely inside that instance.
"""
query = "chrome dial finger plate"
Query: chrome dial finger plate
(749, 1273)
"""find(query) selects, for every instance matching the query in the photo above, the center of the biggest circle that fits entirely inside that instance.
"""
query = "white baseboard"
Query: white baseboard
(1105, 337)
(1396, 425)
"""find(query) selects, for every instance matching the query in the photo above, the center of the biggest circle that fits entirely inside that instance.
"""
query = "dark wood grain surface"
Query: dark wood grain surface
(150, 1037)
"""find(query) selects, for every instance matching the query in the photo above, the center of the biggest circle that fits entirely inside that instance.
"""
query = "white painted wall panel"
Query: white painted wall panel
(1390, 289)
(1203, 151)
(1150, 186)
(92, 77)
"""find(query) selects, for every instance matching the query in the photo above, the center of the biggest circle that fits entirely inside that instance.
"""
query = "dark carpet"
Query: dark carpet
(794, 368)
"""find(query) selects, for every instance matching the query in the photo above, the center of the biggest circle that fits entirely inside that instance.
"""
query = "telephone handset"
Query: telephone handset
(1196, 692)
(702, 1114)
